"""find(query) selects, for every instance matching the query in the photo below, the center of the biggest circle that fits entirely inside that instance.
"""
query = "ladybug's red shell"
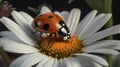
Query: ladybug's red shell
(47, 23)
(51, 23)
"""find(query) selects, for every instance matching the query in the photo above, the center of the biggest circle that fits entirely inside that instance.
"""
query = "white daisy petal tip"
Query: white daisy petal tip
(4, 20)
(76, 9)
(27, 16)
(73, 18)
(2, 17)
(13, 12)
(109, 15)
(44, 9)
(94, 11)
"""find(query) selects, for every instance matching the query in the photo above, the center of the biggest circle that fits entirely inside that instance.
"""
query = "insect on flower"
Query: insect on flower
(51, 23)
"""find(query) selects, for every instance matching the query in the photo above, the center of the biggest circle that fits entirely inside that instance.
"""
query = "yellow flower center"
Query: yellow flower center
(57, 48)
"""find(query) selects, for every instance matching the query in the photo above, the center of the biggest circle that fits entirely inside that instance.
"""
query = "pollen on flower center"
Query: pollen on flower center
(58, 48)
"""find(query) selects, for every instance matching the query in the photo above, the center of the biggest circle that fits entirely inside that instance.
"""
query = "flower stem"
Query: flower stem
(109, 57)
(109, 24)
(109, 60)
(4, 57)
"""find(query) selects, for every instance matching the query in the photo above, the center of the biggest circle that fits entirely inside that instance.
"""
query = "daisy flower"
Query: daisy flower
(80, 51)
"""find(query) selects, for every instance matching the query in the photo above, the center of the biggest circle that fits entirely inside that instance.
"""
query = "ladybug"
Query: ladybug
(51, 23)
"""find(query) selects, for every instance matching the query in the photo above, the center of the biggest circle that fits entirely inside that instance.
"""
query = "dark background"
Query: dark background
(60, 5)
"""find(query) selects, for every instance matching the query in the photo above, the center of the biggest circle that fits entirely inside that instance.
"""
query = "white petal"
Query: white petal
(102, 34)
(56, 63)
(75, 22)
(49, 63)
(3, 40)
(73, 62)
(13, 39)
(111, 44)
(58, 13)
(73, 19)
(68, 64)
(28, 18)
(43, 62)
(25, 58)
(24, 23)
(9, 36)
(33, 59)
(6, 34)
(18, 61)
(44, 9)
(103, 51)
(62, 63)
(15, 47)
(85, 62)
(64, 15)
(94, 58)
(97, 65)
(21, 20)
(117, 47)
(8, 40)
(84, 24)
(13, 27)
(97, 23)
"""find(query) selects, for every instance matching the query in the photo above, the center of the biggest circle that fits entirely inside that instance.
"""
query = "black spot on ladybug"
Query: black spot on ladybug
(46, 26)
(50, 16)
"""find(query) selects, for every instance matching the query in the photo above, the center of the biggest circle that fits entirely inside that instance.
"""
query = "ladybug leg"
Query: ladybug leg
(41, 35)
(52, 40)
(55, 34)
(49, 37)
(50, 34)
(46, 35)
